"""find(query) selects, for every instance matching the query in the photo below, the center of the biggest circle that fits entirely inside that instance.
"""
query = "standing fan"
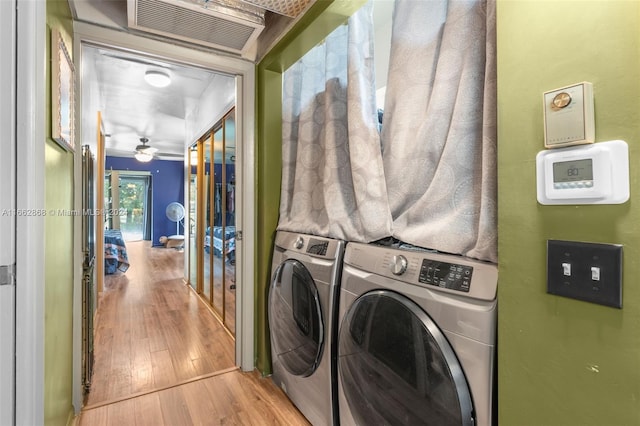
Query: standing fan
(175, 213)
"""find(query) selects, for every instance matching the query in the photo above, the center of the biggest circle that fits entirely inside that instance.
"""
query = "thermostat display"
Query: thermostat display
(573, 171)
(587, 174)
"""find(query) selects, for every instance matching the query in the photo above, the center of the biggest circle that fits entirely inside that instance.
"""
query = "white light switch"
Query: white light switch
(566, 269)
(595, 273)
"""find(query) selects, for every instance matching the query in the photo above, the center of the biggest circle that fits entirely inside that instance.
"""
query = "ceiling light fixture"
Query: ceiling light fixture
(157, 78)
(143, 157)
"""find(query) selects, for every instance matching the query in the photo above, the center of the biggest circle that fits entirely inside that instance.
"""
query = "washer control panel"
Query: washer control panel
(431, 271)
(446, 275)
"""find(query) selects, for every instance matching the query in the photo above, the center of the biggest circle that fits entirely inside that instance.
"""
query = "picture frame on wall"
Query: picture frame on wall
(62, 93)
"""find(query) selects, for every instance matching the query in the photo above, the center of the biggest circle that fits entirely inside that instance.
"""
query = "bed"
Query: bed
(115, 252)
(229, 242)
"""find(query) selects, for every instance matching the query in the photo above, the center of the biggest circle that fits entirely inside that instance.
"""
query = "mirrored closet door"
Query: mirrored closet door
(212, 231)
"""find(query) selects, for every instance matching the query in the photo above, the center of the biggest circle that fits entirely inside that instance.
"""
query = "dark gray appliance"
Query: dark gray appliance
(302, 297)
(417, 338)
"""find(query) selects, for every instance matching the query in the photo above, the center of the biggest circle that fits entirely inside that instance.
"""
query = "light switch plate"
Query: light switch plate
(585, 261)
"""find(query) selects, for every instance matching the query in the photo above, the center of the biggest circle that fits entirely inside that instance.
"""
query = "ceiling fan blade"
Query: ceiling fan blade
(118, 152)
(147, 150)
(169, 154)
(144, 148)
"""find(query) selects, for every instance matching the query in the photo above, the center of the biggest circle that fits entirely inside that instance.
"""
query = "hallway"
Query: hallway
(161, 357)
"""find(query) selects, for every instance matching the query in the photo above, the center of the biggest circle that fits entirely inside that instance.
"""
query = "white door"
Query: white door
(7, 209)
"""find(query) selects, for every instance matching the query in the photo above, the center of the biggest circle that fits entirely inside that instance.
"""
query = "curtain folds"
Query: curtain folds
(333, 182)
(439, 129)
(430, 178)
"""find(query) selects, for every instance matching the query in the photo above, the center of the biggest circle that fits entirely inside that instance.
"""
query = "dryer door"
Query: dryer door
(295, 319)
(397, 367)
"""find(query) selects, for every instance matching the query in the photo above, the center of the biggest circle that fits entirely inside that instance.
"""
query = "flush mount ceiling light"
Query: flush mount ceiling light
(157, 78)
(143, 157)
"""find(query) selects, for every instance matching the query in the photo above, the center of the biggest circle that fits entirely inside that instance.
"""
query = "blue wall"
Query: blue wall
(167, 185)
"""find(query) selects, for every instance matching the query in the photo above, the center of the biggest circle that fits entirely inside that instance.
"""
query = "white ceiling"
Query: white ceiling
(170, 117)
(113, 82)
(132, 109)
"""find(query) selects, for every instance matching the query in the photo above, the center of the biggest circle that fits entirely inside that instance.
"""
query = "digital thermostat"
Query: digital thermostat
(568, 116)
(586, 174)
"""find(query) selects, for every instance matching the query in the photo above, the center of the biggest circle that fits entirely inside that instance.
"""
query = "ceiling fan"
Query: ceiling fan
(144, 153)
(145, 148)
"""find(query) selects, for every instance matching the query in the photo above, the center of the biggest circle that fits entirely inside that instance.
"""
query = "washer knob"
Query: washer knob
(398, 264)
(299, 243)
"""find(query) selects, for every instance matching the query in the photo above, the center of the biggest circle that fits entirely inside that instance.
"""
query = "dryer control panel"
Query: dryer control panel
(446, 275)
(326, 248)
(317, 247)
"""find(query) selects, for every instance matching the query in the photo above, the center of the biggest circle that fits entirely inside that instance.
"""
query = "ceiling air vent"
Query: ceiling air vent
(223, 24)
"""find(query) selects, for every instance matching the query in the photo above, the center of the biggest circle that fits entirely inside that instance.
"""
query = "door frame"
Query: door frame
(30, 129)
(244, 72)
(7, 204)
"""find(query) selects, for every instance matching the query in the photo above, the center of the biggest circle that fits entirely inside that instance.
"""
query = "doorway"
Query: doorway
(244, 90)
(128, 197)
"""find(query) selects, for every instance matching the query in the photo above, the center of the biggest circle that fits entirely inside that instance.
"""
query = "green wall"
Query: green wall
(563, 361)
(58, 241)
(560, 361)
(317, 23)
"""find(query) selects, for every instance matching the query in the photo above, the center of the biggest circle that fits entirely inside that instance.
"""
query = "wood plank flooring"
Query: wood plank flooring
(162, 358)
(232, 398)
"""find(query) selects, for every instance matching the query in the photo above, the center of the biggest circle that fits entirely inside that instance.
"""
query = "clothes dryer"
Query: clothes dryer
(417, 339)
(302, 314)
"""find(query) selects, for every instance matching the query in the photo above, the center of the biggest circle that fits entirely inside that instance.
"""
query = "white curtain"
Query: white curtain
(439, 127)
(333, 182)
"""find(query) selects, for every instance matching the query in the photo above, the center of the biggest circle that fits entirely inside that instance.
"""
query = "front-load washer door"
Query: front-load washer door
(295, 319)
(397, 367)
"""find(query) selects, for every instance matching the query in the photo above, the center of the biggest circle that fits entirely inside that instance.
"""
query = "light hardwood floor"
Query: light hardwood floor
(162, 358)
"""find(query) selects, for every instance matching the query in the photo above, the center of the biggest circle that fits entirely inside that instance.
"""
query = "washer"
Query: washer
(417, 339)
(302, 313)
